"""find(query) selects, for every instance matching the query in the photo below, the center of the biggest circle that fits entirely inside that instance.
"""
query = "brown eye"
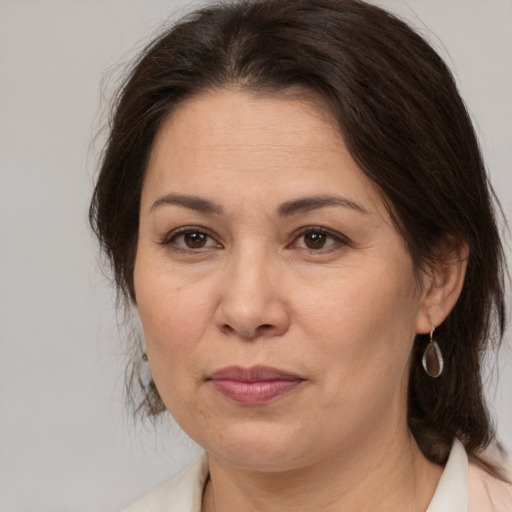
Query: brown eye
(320, 240)
(191, 239)
(315, 240)
(195, 240)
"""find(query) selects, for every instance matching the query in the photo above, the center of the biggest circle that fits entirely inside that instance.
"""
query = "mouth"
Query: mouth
(257, 385)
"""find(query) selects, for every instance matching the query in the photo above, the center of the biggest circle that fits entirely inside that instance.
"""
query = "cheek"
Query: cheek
(167, 306)
(365, 326)
(173, 317)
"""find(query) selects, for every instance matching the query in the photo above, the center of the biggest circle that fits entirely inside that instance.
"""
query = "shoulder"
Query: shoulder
(182, 493)
(486, 493)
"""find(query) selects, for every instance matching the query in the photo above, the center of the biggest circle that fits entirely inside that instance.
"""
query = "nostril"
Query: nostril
(227, 329)
(261, 330)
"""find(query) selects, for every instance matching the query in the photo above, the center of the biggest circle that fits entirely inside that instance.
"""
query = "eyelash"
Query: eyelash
(171, 238)
(337, 238)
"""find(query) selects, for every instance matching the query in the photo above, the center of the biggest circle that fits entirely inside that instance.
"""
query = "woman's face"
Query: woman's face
(278, 301)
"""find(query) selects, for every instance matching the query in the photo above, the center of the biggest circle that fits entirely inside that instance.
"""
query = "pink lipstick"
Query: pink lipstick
(257, 385)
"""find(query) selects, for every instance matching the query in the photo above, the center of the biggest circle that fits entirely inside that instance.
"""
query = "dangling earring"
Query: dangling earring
(144, 357)
(432, 358)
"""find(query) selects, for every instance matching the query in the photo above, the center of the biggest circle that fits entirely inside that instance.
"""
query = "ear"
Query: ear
(442, 283)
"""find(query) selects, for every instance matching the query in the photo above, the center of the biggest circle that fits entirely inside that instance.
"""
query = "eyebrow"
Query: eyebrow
(196, 203)
(307, 204)
(287, 209)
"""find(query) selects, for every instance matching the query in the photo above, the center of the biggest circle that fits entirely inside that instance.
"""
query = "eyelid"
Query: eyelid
(172, 235)
(337, 236)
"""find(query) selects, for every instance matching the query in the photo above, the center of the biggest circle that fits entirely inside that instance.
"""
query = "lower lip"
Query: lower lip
(254, 393)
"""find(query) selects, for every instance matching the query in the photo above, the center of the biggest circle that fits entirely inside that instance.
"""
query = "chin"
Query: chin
(257, 447)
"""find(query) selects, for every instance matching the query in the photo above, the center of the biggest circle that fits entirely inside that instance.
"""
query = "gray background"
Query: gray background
(66, 441)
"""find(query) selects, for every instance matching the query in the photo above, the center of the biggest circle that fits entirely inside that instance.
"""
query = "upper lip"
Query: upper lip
(253, 374)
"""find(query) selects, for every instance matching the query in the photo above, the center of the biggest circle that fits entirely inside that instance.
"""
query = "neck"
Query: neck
(389, 474)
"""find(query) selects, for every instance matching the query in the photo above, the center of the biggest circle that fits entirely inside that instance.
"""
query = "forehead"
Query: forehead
(238, 119)
(230, 141)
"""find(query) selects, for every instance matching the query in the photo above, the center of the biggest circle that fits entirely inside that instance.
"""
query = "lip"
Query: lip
(257, 385)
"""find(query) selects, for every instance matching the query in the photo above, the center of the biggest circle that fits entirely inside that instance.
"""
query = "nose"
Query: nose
(252, 301)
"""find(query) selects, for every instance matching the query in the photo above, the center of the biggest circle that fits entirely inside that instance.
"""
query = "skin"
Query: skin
(252, 289)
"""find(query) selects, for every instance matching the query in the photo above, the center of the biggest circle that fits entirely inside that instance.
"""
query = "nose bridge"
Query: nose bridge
(251, 266)
(251, 303)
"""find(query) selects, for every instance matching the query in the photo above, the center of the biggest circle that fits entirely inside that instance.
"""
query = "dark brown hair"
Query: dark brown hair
(404, 123)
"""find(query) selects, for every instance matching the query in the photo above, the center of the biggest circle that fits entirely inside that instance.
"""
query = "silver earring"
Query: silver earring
(432, 357)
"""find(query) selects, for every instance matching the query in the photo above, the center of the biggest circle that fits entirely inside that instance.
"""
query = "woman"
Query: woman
(293, 197)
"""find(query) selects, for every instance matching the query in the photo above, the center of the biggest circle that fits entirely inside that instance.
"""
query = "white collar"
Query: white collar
(452, 493)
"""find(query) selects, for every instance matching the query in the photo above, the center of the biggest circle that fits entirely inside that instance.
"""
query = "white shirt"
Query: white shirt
(463, 487)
